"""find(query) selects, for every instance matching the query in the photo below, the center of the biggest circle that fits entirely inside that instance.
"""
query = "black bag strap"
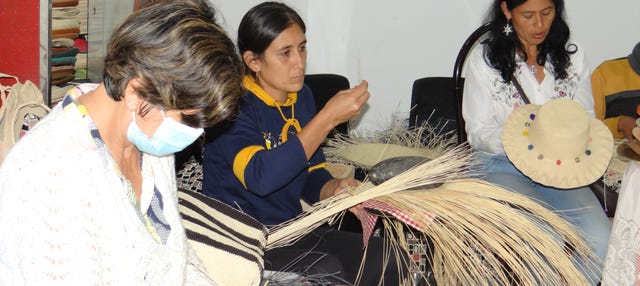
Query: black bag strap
(520, 90)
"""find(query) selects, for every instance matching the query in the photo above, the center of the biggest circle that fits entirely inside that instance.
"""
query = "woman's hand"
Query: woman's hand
(341, 107)
(337, 186)
(626, 125)
(346, 104)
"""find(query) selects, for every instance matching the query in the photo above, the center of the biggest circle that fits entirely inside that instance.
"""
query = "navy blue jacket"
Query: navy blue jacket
(258, 167)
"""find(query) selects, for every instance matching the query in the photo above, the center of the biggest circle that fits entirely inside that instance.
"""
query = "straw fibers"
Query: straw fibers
(485, 235)
(481, 234)
(447, 167)
(365, 149)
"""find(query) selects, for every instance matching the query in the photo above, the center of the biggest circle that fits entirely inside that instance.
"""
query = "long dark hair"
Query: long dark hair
(262, 24)
(501, 49)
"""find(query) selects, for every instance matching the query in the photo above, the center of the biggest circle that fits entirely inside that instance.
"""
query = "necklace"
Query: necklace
(533, 69)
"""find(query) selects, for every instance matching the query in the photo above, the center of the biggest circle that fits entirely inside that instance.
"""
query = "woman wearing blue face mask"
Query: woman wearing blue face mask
(88, 197)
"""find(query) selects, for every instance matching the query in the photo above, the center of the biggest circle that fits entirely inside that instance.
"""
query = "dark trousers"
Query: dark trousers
(327, 256)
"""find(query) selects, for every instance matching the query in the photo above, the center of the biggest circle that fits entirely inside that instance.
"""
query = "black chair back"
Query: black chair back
(438, 100)
(458, 80)
(433, 100)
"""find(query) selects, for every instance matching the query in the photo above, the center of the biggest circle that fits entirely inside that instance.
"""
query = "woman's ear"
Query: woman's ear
(252, 61)
(505, 10)
(130, 96)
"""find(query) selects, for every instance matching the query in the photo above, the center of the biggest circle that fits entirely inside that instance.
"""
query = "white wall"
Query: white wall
(392, 43)
(104, 17)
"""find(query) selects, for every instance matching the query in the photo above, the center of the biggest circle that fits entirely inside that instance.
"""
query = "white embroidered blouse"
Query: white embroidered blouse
(622, 263)
(488, 100)
(67, 218)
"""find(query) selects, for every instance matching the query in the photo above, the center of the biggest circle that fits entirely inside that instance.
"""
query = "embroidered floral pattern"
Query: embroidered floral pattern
(506, 92)
(622, 258)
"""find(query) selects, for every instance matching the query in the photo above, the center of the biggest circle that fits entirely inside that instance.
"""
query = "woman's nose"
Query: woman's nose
(300, 59)
(538, 20)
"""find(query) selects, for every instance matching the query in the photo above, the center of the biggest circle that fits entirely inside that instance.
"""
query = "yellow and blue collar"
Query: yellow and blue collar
(253, 87)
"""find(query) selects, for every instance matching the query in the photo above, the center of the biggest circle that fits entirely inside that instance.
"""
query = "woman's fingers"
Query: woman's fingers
(347, 103)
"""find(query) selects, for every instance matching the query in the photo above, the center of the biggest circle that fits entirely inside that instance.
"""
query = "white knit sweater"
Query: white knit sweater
(65, 218)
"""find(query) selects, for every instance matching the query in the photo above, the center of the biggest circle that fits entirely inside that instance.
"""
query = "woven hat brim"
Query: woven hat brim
(630, 150)
(368, 154)
(636, 132)
(569, 174)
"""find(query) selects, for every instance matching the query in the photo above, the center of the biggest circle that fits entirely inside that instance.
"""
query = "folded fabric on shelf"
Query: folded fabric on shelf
(82, 6)
(61, 43)
(71, 36)
(63, 69)
(84, 24)
(64, 12)
(81, 44)
(60, 49)
(71, 52)
(81, 61)
(81, 74)
(64, 3)
(74, 30)
(83, 16)
(63, 61)
(59, 24)
(60, 77)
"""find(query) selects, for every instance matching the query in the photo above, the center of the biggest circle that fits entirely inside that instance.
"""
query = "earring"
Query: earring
(507, 29)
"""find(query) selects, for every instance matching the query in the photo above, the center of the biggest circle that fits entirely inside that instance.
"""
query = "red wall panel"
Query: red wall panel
(20, 38)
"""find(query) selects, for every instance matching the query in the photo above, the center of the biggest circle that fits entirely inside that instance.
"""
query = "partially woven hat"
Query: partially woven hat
(631, 149)
(634, 58)
(557, 144)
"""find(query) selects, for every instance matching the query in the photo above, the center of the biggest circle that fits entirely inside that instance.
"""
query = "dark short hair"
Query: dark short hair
(262, 24)
(182, 57)
(634, 58)
(501, 49)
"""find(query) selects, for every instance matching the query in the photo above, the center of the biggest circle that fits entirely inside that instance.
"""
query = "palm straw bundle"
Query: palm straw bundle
(442, 169)
(481, 234)
(485, 235)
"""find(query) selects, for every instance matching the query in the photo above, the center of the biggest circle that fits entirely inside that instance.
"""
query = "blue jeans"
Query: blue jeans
(579, 206)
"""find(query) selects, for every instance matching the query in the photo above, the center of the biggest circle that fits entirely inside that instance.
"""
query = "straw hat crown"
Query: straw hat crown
(557, 144)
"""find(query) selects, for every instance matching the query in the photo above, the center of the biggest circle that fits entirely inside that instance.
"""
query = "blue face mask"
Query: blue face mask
(170, 137)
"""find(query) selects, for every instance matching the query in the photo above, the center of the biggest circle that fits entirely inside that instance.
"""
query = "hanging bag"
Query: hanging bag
(22, 107)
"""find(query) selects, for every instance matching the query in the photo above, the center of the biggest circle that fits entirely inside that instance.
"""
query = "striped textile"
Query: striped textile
(229, 243)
